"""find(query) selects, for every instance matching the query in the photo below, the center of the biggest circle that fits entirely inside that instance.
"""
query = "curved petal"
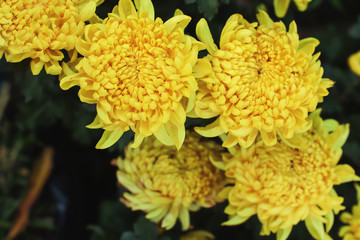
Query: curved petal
(95, 124)
(281, 7)
(176, 22)
(211, 130)
(145, 6)
(109, 138)
(126, 8)
(315, 227)
(204, 34)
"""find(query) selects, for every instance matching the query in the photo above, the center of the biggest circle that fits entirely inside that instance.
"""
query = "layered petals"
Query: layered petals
(41, 29)
(138, 72)
(284, 184)
(262, 80)
(167, 183)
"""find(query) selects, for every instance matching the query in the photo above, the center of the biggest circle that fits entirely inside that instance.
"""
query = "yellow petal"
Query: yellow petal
(176, 22)
(137, 140)
(264, 19)
(345, 173)
(302, 4)
(86, 10)
(235, 221)
(202, 68)
(268, 138)
(354, 63)
(126, 8)
(163, 136)
(329, 221)
(145, 6)
(36, 66)
(315, 227)
(184, 217)
(178, 12)
(95, 124)
(204, 34)
(170, 219)
(281, 7)
(282, 234)
(109, 138)
(177, 133)
(308, 45)
(211, 130)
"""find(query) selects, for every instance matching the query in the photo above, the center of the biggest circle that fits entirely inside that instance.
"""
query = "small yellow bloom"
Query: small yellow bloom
(40, 29)
(352, 230)
(261, 79)
(284, 184)
(138, 72)
(354, 63)
(198, 235)
(281, 6)
(167, 183)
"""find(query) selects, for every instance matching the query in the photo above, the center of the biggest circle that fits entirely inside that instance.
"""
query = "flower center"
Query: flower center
(134, 69)
(290, 176)
(261, 77)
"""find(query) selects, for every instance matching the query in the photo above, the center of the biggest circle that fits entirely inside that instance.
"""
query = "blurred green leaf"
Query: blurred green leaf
(337, 4)
(354, 31)
(208, 7)
(190, 1)
(314, 4)
(44, 224)
(225, 1)
(128, 236)
(145, 229)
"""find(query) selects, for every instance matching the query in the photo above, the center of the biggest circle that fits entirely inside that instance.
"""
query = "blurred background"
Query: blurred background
(55, 185)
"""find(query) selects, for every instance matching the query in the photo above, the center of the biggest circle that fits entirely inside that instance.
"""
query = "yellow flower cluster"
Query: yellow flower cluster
(262, 79)
(138, 72)
(40, 29)
(260, 83)
(167, 183)
(352, 230)
(289, 182)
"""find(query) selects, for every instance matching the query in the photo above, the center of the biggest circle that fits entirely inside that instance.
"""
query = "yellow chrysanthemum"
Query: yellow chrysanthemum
(284, 184)
(40, 29)
(167, 183)
(354, 63)
(262, 79)
(281, 6)
(352, 230)
(138, 72)
(198, 235)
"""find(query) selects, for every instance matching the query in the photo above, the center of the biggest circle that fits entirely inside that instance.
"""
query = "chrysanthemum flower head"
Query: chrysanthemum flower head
(167, 183)
(354, 63)
(261, 79)
(138, 72)
(352, 230)
(40, 29)
(284, 184)
(281, 6)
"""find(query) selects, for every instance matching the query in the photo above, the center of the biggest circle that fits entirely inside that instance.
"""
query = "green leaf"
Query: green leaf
(128, 236)
(208, 7)
(337, 4)
(96, 230)
(354, 31)
(145, 229)
(190, 1)
(44, 224)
